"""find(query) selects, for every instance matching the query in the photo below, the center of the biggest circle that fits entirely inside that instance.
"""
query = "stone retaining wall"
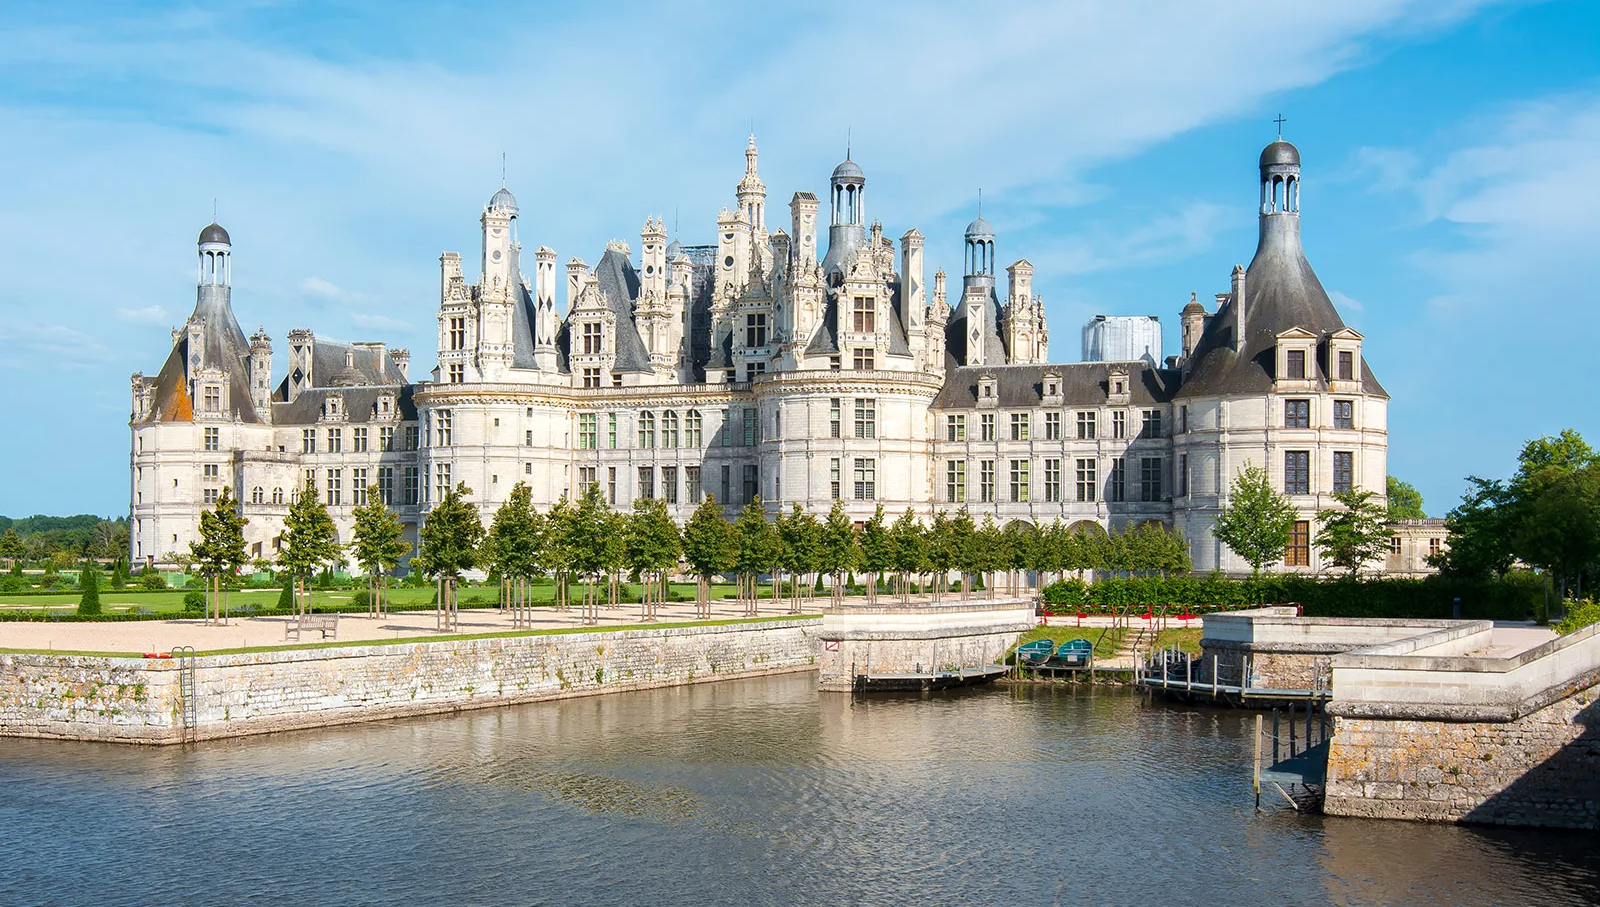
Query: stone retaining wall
(918, 637)
(134, 700)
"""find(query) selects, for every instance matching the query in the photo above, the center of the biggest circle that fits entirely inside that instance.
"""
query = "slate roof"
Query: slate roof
(955, 332)
(619, 284)
(223, 346)
(1082, 384)
(360, 405)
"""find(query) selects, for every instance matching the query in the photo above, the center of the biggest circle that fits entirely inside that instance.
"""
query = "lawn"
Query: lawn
(1106, 639)
(1183, 640)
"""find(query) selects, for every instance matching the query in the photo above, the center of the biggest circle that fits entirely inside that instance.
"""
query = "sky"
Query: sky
(1450, 204)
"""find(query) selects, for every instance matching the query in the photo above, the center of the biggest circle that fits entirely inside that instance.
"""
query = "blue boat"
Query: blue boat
(1074, 653)
(1035, 653)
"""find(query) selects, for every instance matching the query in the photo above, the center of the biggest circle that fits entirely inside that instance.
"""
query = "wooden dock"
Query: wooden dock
(927, 681)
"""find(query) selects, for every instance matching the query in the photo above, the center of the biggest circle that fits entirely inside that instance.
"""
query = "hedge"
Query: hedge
(1516, 597)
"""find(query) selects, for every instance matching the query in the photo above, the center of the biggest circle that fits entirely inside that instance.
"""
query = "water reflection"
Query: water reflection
(748, 792)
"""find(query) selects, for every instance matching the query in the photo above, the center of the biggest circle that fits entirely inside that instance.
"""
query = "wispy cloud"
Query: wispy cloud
(379, 322)
(150, 314)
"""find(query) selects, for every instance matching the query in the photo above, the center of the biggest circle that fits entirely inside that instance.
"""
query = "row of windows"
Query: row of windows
(333, 438)
(1297, 471)
(1297, 414)
(1084, 478)
(673, 432)
(361, 479)
(1021, 425)
(1295, 365)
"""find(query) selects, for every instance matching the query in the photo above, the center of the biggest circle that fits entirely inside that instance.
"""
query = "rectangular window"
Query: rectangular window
(1119, 425)
(592, 343)
(358, 440)
(1183, 419)
(1434, 544)
(209, 495)
(1118, 491)
(1052, 426)
(833, 477)
(308, 440)
(1086, 480)
(334, 483)
(611, 431)
(835, 406)
(441, 480)
(591, 377)
(1344, 470)
(386, 438)
(1020, 424)
(955, 481)
(358, 487)
(866, 417)
(213, 398)
(727, 485)
(1183, 475)
(611, 485)
(335, 440)
(410, 483)
(213, 439)
(691, 484)
(458, 333)
(864, 315)
(386, 485)
(955, 428)
(527, 438)
(986, 481)
(1298, 554)
(755, 329)
(1344, 414)
(862, 360)
(1149, 479)
(866, 480)
(647, 482)
(1152, 424)
(1297, 414)
(669, 429)
(413, 437)
(1297, 472)
(1086, 426)
(211, 472)
(442, 421)
(1052, 481)
(587, 431)
(752, 369)
(1296, 360)
(1019, 481)
(669, 484)
(752, 427)
(458, 373)
(1347, 365)
(752, 483)
(647, 430)
(986, 427)
(586, 478)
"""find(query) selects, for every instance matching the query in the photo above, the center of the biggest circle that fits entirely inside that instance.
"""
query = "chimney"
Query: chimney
(1238, 307)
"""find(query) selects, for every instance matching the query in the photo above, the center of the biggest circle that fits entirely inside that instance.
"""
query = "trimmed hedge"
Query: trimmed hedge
(1516, 597)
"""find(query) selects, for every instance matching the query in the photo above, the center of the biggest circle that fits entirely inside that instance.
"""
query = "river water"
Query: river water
(743, 792)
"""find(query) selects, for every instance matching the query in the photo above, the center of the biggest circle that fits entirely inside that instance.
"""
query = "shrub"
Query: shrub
(150, 579)
(194, 601)
(286, 597)
(362, 599)
(89, 578)
(1579, 615)
(9, 583)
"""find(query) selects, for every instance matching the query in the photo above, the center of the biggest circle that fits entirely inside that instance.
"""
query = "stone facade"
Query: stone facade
(920, 637)
(131, 700)
(763, 365)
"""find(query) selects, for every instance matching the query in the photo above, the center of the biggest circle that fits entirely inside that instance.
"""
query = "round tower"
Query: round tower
(215, 251)
(980, 253)
(847, 230)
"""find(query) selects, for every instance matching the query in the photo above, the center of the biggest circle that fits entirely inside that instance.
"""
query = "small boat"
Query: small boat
(1036, 652)
(1074, 653)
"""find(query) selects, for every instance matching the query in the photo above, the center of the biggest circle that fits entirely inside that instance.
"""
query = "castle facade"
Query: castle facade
(769, 366)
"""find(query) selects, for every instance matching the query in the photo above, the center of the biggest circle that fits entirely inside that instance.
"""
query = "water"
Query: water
(745, 792)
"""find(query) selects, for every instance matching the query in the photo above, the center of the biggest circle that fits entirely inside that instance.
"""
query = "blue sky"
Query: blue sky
(1451, 202)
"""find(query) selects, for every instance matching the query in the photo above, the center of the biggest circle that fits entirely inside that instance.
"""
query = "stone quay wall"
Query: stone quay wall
(1274, 648)
(137, 700)
(1420, 733)
(917, 637)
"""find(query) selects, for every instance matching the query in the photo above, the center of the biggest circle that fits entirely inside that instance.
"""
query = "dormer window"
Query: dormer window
(212, 398)
(1347, 366)
(1295, 362)
(988, 390)
(1295, 365)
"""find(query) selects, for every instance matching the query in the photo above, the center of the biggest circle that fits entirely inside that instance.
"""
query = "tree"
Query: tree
(800, 543)
(652, 549)
(940, 553)
(220, 551)
(840, 549)
(988, 554)
(708, 549)
(906, 549)
(12, 549)
(963, 548)
(451, 536)
(1559, 528)
(757, 550)
(89, 582)
(378, 545)
(1356, 533)
(1405, 501)
(1479, 532)
(310, 541)
(560, 549)
(1257, 521)
(877, 554)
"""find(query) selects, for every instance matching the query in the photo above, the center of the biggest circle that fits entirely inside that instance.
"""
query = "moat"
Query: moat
(745, 792)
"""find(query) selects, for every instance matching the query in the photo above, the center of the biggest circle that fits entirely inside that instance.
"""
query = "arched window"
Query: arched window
(647, 429)
(669, 429)
(257, 495)
(692, 429)
(277, 495)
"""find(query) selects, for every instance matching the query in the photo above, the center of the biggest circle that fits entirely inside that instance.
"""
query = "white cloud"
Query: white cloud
(316, 286)
(378, 322)
(59, 344)
(150, 314)
(1345, 304)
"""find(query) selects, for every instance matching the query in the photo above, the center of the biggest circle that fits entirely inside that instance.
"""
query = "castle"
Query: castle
(765, 366)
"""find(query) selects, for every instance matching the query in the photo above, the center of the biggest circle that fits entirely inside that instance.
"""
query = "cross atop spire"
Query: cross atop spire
(1280, 121)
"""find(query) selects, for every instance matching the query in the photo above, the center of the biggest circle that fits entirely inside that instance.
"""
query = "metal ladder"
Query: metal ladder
(187, 698)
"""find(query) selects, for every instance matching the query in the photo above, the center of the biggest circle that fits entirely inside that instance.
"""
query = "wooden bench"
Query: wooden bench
(328, 624)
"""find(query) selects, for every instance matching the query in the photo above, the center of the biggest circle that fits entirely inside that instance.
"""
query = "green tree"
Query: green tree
(310, 542)
(119, 573)
(451, 536)
(378, 545)
(1479, 533)
(877, 552)
(1405, 501)
(1256, 522)
(560, 549)
(987, 552)
(840, 549)
(1021, 539)
(708, 548)
(220, 551)
(1559, 528)
(964, 548)
(1356, 533)
(89, 582)
(906, 549)
(12, 549)
(800, 542)
(940, 553)
(757, 550)
(653, 545)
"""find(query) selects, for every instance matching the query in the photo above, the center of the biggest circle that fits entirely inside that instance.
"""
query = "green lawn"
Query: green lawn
(1105, 639)
(1184, 640)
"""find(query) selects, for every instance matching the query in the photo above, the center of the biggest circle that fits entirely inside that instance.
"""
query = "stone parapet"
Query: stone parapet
(919, 637)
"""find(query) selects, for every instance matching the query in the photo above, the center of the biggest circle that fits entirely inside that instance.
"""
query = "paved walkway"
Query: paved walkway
(162, 635)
